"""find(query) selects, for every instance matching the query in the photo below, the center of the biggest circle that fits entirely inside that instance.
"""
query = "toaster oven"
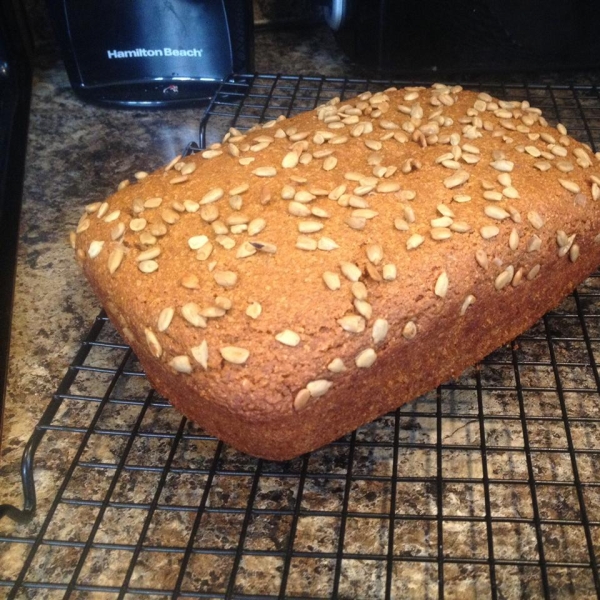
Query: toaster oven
(470, 35)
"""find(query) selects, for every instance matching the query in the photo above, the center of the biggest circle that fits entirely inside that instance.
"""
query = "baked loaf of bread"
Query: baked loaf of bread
(298, 280)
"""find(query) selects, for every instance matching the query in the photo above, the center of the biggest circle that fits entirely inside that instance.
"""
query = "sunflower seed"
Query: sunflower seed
(212, 312)
(148, 266)
(309, 226)
(298, 210)
(359, 290)
(200, 354)
(164, 318)
(332, 280)
(351, 271)
(265, 247)
(304, 197)
(318, 387)
(489, 231)
(401, 224)
(441, 222)
(256, 226)
(190, 206)
(533, 273)
(95, 248)
(503, 279)
(245, 250)
(288, 337)
(380, 330)
(492, 196)
(570, 186)
(265, 172)
(366, 358)
(337, 366)
(461, 198)
(363, 308)
(513, 239)
(198, 241)
(595, 191)
(204, 252)
(234, 354)
(290, 160)
(375, 253)
(337, 192)
(357, 223)
(504, 166)
(316, 211)
(352, 323)
(302, 400)
(456, 179)
(409, 331)
(460, 227)
(137, 224)
(149, 254)
(153, 343)
(482, 258)
(326, 244)
(496, 212)
(535, 219)
(305, 243)
(239, 189)
(115, 259)
(414, 241)
(468, 301)
(440, 233)
(441, 285)
(574, 252)
(208, 154)
(191, 313)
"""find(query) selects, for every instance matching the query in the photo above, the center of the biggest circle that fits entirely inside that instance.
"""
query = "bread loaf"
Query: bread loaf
(303, 278)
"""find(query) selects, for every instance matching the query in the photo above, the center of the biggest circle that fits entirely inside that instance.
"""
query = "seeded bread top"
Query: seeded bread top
(272, 264)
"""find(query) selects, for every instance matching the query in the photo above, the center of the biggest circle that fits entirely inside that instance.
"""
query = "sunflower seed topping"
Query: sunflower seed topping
(468, 301)
(496, 212)
(351, 271)
(290, 160)
(191, 313)
(337, 366)
(441, 285)
(148, 254)
(504, 166)
(95, 248)
(198, 241)
(245, 250)
(440, 233)
(137, 224)
(305, 243)
(389, 272)
(503, 279)
(366, 358)
(595, 191)
(226, 279)
(482, 259)
(414, 241)
(327, 244)
(570, 186)
(265, 247)
(254, 310)
(352, 323)
(288, 338)
(309, 226)
(535, 219)
(380, 330)
(318, 387)
(265, 172)
(330, 163)
(456, 179)
(234, 354)
(574, 252)
(460, 198)
(409, 331)
(200, 354)
(489, 231)
(115, 259)
(153, 343)
(256, 226)
(148, 266)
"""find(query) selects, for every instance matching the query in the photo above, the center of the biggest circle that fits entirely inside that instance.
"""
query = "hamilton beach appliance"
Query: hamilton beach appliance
(470, 35)
(152, 52)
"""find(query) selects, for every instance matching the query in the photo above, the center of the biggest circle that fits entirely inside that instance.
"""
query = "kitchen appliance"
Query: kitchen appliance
(152, 52)
(15, 89)
(471, 35)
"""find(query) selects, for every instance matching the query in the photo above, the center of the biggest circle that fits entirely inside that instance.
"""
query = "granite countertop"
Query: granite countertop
(77, 154)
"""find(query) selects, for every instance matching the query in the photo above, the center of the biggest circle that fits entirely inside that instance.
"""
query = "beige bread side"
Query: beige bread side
(292, 283)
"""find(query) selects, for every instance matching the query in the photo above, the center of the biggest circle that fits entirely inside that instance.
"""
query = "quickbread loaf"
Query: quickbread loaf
(303, 278)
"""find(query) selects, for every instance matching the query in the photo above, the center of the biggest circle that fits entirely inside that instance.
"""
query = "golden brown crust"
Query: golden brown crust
(429, 311)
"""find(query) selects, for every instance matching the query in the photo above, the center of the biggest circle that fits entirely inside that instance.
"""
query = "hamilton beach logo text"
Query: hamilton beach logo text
(143, 53)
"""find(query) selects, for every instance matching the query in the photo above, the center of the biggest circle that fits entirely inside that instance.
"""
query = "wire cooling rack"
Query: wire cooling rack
(488, 487)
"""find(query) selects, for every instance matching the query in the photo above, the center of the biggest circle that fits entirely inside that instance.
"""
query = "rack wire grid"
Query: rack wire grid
(488, 487)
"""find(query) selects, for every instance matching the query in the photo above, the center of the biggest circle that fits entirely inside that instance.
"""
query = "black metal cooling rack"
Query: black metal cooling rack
(488, 487)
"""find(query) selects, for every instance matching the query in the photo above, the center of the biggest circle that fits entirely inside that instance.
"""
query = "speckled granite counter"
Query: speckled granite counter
(339, 499)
